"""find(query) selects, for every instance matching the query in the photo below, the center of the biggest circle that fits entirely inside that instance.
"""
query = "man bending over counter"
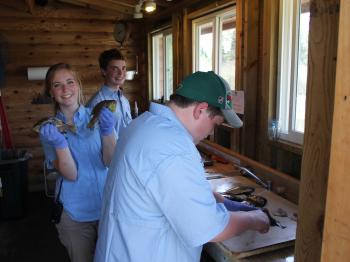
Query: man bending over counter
(158, 205)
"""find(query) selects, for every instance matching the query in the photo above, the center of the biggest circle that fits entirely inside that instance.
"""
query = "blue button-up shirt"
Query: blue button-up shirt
(158, 205)
(81, 198)
(122, 113)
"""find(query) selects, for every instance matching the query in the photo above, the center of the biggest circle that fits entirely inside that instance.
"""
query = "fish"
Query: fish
(61, 126)
(273, 222)
(110, 104)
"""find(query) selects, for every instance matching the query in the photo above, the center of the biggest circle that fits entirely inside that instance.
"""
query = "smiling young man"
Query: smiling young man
(113, 70)
(157, 204)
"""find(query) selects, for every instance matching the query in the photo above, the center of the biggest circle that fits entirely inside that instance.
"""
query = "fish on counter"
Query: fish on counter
(273, 222)
(110, 104)
(61, 126)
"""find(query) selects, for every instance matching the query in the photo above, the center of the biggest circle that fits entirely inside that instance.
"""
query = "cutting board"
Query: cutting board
(251, 240)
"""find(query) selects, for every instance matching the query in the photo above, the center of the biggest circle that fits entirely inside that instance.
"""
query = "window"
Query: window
(162, 65)
(292, 75)
(215, 44)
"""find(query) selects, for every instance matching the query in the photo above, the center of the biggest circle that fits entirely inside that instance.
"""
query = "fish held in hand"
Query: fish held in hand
(61, 126)
(110, 104)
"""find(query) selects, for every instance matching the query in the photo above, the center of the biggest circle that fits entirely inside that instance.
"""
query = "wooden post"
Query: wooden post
(323, 40)
(336, 241)
(248, 47)
(268, 72)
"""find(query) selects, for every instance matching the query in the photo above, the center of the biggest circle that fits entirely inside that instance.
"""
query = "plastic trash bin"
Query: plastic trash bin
(13, 183)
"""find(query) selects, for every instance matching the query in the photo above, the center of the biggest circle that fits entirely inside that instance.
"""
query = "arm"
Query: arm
(64, 163)
(232, 205)
(108, 146)
(107, 123)
(242, 221)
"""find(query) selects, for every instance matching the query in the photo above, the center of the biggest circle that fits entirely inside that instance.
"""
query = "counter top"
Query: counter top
(251, 245)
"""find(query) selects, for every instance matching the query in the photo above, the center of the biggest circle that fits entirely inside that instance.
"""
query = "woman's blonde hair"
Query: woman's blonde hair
(50, 75)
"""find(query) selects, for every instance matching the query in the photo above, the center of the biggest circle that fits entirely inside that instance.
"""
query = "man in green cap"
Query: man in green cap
(158, 205)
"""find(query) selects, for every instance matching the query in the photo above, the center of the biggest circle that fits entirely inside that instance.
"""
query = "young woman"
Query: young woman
(81, 158)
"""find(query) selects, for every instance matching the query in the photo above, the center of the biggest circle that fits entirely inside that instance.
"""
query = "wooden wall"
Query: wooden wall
(52, 34)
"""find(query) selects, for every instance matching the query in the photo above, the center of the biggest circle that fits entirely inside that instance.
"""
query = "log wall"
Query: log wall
(52, 34)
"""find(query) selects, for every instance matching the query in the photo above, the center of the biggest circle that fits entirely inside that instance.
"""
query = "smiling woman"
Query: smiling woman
(82, 176)
(62, 83)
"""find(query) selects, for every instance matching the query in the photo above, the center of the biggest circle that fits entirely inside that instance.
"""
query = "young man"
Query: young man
(158, 205)
(113, 70)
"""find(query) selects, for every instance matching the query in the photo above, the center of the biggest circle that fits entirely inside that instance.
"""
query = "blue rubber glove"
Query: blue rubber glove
(237, 206)
(55, 138)
(106, 121)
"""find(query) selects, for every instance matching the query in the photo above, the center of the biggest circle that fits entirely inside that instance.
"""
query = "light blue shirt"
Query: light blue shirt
(122, 113)
(157, 204)
(81, 198)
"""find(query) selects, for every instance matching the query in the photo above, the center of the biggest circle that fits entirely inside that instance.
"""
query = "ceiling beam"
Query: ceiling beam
(103, 5)
(123, 3)
(176, 7)
(17, 5)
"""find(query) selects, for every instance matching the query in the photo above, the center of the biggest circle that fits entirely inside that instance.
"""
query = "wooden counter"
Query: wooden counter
(278, 179)
(276, 245)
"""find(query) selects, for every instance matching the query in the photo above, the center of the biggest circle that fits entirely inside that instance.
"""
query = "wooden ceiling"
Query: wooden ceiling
(124, 7)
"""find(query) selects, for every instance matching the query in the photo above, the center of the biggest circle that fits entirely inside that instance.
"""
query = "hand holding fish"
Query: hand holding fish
(51, 134)
(96, 111)
(262, 222)
(106, 121)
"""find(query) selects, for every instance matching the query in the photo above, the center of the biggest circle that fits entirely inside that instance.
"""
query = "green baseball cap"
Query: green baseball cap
(213, 89)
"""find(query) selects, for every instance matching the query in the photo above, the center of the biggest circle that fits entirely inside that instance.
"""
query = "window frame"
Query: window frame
(163, 33)
(288, 51)
(287, 76)
(216, 18)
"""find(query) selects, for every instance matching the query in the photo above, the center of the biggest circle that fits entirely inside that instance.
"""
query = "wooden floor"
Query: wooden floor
(32, 237)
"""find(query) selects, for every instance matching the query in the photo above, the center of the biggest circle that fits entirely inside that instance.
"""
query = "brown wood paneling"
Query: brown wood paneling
(177, 24)
(61, 38)
(113, 6)
(187, 67)
(250, 24)
(55, 25)
(323, 41)
(57, 10)
(268, 75)
(49, 35)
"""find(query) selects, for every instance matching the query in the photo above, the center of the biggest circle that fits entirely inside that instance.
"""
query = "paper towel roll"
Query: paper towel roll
(36, 73)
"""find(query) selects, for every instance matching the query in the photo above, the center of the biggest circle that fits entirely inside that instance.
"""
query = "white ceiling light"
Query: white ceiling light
(137, 12)
(150, 6)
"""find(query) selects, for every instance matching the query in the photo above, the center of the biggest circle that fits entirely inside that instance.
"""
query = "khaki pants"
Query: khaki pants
(79, 238)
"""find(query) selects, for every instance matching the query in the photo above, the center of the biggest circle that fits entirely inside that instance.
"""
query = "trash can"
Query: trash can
(13, 183)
